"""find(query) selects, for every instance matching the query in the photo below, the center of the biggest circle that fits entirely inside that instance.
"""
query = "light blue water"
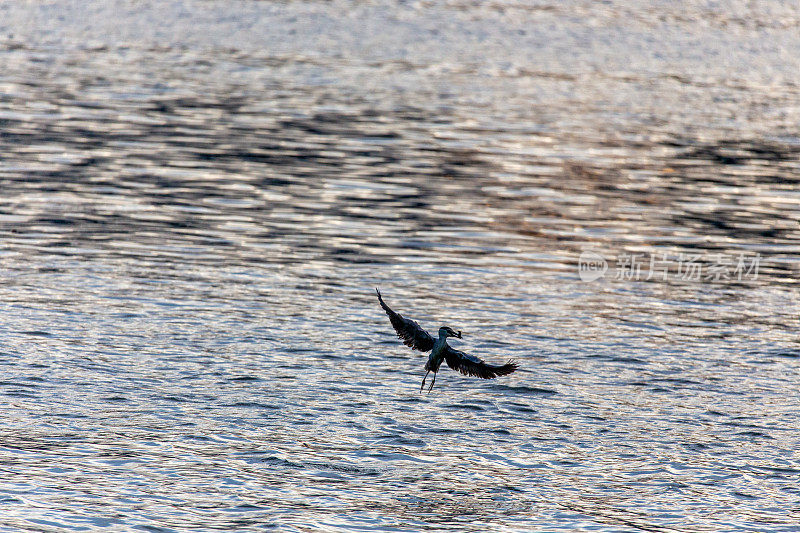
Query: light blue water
(197, 200)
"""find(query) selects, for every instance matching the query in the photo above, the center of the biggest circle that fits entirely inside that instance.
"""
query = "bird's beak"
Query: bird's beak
(459, 334)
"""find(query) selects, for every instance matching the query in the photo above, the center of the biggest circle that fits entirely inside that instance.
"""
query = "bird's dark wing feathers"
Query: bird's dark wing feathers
(469, 365)
(408, 330)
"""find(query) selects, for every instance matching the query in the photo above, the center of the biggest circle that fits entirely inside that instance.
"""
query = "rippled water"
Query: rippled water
(198, 199)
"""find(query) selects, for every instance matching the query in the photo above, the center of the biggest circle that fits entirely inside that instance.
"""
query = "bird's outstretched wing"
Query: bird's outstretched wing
(408, 330)
(469, 365)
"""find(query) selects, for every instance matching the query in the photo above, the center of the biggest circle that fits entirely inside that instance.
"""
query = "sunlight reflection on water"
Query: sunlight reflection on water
(193, 233)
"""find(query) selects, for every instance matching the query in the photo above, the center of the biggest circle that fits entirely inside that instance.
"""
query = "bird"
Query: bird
(417, 338)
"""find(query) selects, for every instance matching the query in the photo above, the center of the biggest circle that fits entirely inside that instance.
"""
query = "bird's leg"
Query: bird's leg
(423, 380)
(432, 382)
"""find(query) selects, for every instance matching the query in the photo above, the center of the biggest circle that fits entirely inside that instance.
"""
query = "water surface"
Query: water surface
(199, 198)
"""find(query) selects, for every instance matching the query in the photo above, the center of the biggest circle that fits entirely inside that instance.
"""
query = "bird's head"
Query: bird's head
(446, 331)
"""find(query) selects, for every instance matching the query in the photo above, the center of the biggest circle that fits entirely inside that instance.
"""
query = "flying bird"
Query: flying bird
(417, 338)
